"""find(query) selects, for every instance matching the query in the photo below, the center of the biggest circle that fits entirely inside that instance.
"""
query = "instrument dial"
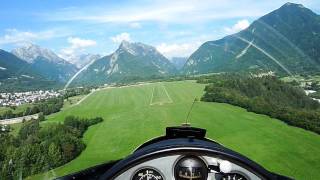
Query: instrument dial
(191, 167)
(147, 174)
(233, 176)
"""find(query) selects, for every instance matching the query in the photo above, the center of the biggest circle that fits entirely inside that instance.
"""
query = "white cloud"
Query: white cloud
(77, 46)
(166, 11)
(14, 36)
(135, 25)
(240, 25)
(80, 43)
(177, 50)
(121, 37)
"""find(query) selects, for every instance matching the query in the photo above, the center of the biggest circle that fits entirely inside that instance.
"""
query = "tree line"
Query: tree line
(76, 92)
(265, 95)
(39, 149)
(46, 107)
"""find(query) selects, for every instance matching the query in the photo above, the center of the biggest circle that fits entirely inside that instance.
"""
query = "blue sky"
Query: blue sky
(174, 27)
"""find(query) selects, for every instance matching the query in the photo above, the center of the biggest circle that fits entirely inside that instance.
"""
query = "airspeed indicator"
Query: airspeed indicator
(147, 174)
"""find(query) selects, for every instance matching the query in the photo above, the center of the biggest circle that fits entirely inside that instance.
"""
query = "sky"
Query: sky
(175, 27)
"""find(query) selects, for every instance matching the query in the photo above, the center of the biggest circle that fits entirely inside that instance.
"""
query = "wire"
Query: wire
(194, 101)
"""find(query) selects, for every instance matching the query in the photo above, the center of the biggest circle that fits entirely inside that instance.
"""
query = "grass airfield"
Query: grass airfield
(135, 114)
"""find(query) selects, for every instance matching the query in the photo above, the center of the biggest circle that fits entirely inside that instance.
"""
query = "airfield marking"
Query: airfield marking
(90, 94)
(151, 96)
(108, 87)
(167, 93)
(151, 100)
(169, 100)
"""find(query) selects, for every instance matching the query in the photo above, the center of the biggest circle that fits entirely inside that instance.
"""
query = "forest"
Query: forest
(39, 149)
(265, 95)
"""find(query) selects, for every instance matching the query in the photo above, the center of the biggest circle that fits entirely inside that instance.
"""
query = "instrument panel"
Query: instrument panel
(187, 167)
(182, 154)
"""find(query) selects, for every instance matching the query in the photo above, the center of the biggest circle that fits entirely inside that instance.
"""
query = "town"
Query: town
(19, 98)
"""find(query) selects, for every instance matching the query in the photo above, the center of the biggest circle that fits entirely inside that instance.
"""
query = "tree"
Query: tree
(41, 117)
(29, 128)
(54, 155)
(27, 111)
(37, 149)
(8, 114)
(13, 107)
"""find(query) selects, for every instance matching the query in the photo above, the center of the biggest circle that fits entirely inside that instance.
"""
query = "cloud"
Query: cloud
(165, 11)
(135, 25)
(178, 50)
(14, 36)
(240, 25)
(77, 46)
(80, 43)
(121, 37)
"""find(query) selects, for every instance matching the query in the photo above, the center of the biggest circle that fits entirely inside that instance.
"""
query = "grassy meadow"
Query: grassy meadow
(135, 114)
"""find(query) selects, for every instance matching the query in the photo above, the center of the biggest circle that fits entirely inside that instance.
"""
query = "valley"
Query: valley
(96, 86)
(130, 120)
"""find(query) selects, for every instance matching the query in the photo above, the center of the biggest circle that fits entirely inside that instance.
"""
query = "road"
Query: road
(18, 119)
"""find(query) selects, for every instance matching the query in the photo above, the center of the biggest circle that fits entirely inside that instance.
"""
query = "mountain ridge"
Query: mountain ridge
(46, 62)
(17, 75)
(82, 60)
(267, 44)
(130, 60)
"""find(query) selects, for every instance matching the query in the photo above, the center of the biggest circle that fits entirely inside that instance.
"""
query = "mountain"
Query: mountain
(129, 61)
(83, 59)
(46, 62)
(11, 66)
(285, 41)
(178, 62)
(16, 75)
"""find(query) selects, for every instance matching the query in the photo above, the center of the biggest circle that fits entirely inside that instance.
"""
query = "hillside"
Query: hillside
(285, 41)
(129, 61)
(12, 66)
(17, 75)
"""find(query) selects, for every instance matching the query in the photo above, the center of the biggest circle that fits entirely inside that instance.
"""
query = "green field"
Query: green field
(131, 119)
